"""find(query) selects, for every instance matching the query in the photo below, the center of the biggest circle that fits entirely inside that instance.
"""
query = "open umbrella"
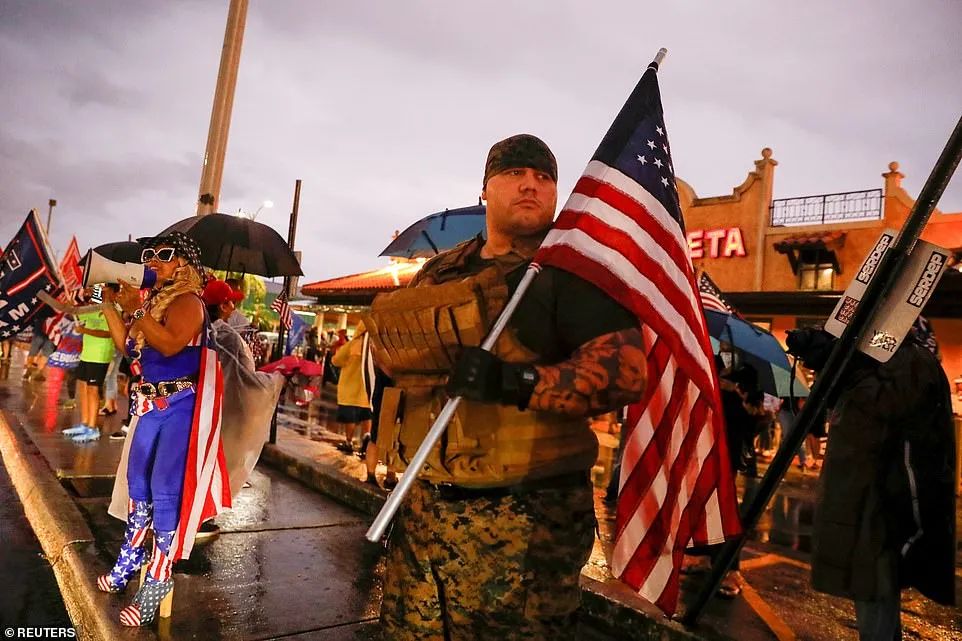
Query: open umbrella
(290, 365)
(238, 244)
(121, 252)
(435, 233)
(746, 337)
(772, 378)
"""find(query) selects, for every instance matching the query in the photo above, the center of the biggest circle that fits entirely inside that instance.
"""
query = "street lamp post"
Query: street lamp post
(51, 204)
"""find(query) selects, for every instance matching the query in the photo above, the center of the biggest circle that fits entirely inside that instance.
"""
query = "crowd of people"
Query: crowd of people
(491, 539)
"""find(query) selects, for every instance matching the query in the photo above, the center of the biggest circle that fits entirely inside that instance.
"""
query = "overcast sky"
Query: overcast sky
(386, 109)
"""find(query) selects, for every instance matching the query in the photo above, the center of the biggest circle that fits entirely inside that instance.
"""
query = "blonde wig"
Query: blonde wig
(186, 280)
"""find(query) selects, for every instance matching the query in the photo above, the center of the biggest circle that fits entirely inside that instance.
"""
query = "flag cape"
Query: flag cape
(206, 485)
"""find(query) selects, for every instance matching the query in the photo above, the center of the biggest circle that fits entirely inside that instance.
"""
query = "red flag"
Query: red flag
(622, 230)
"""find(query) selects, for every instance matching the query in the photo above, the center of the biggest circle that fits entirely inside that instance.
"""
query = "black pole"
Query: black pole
(828, 383)
(281, 330)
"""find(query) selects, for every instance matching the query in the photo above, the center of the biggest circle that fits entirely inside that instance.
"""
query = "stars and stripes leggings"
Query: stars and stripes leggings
(158, 455)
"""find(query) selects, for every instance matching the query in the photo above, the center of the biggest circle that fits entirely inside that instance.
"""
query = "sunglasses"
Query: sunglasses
(164, 255)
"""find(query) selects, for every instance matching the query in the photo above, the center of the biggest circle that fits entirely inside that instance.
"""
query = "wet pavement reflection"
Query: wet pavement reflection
(34, 597)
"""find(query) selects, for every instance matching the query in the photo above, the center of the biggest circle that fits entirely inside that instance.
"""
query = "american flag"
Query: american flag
(283, 310)
(711, 296)
(206, 486)
(622, 230)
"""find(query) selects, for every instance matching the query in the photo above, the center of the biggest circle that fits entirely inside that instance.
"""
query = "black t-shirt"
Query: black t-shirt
(560, 311)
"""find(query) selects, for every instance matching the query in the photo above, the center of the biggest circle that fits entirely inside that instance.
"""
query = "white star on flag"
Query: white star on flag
(642, 160)
(658, 163)
(661, 132)
(651, 144)
(664, 181)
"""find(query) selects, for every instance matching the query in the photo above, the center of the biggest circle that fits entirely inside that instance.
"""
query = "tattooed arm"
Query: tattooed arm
(602, 375)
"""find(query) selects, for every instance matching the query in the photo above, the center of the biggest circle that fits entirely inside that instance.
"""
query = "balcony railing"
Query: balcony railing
(827, 208)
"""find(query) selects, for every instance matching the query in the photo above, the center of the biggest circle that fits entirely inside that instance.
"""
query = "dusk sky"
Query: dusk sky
(386, 110)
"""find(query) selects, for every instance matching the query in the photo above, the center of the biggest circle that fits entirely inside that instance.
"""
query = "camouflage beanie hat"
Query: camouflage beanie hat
(520, 151)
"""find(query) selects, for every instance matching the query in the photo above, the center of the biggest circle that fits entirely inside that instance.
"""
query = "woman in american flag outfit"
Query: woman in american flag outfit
(177, 406)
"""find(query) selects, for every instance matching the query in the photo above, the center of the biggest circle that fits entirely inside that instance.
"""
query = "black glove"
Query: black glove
(481, 376)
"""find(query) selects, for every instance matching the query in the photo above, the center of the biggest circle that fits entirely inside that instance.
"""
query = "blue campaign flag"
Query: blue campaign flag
(27, 267)
(296, 334)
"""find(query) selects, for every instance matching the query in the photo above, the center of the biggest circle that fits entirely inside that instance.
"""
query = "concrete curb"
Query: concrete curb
(63, 533)
(326, 479)
(608, 602)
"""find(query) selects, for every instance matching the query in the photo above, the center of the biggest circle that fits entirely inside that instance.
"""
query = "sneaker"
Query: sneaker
(69, 404)
(79, 428)
(119, 435)
(90, 434)
(346, 447)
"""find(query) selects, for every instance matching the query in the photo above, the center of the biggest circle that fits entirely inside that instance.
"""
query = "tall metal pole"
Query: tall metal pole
(828, 384)
(281, 330)
(50, 204)
(220, 115)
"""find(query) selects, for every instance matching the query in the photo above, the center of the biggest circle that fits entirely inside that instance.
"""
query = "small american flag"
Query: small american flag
(711, 296)
(622, 230)
(283, 310)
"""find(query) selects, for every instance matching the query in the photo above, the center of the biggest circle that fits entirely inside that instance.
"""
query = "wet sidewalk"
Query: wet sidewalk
(291, 561)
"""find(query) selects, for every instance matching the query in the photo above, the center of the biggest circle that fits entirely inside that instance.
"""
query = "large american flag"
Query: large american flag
(283, 310)
(711, 296)
(622, 230)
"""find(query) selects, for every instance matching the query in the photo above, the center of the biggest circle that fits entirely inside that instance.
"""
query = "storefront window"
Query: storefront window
(816, 276)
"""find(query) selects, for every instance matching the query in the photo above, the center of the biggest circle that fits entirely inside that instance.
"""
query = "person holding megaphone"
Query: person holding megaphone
(177, 410)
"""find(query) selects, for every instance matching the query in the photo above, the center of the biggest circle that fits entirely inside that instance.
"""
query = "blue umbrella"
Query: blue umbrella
(435, 233)
(746, 337)
(772, 378)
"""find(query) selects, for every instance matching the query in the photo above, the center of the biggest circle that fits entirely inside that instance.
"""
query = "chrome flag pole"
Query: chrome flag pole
(384, 517)
(393, 502)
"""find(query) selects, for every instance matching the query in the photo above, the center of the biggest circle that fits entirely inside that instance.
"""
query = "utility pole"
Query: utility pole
(213, 169)
(51, 204)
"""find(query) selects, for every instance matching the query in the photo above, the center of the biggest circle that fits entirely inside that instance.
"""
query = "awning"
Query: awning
(365, 284)
(825, 243)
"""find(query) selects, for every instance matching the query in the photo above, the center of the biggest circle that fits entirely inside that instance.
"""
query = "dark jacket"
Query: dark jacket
(891, 439)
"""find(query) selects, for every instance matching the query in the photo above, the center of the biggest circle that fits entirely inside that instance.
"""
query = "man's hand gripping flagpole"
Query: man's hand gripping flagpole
(376, 532)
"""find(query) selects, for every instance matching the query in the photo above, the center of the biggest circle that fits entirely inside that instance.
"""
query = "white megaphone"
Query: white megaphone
(98, 269)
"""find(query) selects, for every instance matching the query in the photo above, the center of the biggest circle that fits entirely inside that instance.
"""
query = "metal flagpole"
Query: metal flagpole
(281, 330)
(829, 382)
(394, 499)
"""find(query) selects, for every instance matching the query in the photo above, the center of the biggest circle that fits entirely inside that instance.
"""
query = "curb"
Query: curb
(64, 535)
(608, 602)
(326, 479)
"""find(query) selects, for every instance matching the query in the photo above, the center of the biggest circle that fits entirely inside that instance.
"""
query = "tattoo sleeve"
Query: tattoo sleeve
(602, 375)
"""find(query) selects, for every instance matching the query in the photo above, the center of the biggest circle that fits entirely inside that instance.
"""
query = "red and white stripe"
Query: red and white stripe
(676, 486)
(206, 487)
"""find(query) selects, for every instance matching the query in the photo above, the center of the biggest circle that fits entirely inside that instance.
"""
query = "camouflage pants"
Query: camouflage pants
(487, 568)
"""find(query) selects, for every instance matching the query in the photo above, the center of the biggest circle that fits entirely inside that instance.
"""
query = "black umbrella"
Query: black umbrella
(238, 244)
(122, 252)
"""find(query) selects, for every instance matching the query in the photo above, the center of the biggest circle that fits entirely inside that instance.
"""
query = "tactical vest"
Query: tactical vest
(417, 334)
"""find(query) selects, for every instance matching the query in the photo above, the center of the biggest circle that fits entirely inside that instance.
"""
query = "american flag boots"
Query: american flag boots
(157, 584)
(132, 553)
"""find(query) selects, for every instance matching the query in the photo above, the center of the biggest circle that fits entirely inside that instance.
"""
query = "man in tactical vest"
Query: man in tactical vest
(490, 542)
